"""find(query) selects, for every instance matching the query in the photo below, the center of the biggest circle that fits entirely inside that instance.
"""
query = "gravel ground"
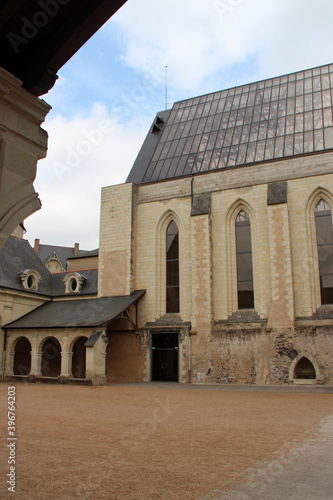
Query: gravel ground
(155, 441)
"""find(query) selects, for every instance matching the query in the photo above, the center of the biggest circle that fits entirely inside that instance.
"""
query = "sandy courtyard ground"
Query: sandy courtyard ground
(147, 442)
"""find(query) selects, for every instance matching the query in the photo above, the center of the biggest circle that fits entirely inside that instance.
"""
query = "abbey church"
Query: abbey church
(215, 260)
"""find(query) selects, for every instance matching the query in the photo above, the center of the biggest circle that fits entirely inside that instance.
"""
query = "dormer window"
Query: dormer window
(73, 282)
(30, 279)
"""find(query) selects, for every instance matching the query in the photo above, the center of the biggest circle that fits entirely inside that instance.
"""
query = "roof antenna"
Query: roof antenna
(166, 87)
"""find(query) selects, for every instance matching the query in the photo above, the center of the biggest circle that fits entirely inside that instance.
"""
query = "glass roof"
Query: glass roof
(276, 118)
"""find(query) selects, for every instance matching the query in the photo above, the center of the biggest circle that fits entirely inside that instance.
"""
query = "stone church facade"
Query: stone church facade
(220, 243)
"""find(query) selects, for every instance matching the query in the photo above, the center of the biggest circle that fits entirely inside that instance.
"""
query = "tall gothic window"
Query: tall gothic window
(172, 268)
(244, 262)
(323, 217)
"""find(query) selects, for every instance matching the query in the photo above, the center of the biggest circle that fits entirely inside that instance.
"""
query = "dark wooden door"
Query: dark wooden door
(165, 357)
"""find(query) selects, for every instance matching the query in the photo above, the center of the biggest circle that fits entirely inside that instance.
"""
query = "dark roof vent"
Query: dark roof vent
(158, 124)
(156, 128)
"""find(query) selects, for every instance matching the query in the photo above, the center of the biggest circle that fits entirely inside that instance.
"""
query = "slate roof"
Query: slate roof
(76, 313)
(282, 117)
(89, 286)
(86, 253)
(17, 255)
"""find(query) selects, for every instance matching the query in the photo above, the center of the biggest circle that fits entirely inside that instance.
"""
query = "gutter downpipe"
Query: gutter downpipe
(4, 355)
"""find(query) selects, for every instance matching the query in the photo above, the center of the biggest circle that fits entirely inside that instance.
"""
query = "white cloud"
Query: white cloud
(84, 155)
(207, 45)
(198, 38)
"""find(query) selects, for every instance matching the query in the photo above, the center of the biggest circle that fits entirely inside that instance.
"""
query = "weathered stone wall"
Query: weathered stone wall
(238, 356)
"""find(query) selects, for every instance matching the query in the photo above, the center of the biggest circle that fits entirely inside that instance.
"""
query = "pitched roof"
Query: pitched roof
(76, 313)
(17, 255)
(89, 285)
(86, 253)
(271, 119)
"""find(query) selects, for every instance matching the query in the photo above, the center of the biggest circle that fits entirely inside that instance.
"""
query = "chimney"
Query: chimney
(76, 248)
(36, 247)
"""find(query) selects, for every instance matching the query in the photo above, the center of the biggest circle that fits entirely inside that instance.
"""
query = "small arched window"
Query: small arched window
(244, 262)
(172, 268)
(324, 229)
(304, 369)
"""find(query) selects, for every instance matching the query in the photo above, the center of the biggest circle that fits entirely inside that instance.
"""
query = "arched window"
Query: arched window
(304, 369)
(323, 217)
(244, 262)
(172, 268)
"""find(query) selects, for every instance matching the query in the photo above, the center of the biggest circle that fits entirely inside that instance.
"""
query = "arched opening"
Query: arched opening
(79, 358)
(22, 357)
(304, 369)
(51, 358)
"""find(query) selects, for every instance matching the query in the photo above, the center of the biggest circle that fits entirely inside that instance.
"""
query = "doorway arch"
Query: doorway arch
(22, 357)
(51, 358)
(79, 358)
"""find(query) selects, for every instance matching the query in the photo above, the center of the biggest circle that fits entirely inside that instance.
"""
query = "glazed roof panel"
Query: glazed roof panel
(280, 117)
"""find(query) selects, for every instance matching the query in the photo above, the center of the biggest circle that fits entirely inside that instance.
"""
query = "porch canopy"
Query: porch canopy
(76, 313)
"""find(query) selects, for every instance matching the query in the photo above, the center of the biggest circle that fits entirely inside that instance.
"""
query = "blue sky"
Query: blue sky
(108, 94)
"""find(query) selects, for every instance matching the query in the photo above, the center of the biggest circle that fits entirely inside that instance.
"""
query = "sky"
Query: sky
(108, 94)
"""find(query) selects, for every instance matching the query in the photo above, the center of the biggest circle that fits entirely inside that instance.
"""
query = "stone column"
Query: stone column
(9, 362)
(66, 364)
(36, 362)
(22, 143)
(95, 357)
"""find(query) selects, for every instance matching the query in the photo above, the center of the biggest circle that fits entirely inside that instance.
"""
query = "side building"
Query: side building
(53, 324)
